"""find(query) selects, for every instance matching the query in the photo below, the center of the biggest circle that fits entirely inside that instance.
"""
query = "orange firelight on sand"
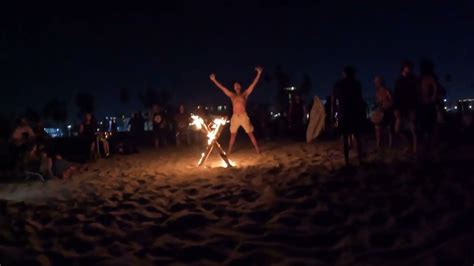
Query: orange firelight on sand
(212, 130)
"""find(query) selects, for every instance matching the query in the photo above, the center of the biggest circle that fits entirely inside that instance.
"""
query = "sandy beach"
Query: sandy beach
(292, 205)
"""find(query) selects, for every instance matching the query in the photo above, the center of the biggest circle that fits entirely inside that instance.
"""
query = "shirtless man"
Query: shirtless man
(239, 113)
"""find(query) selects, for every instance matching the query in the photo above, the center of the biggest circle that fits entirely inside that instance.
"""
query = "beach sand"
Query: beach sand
(292, 205)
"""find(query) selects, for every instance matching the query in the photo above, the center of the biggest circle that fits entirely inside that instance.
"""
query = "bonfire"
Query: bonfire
(212, 130)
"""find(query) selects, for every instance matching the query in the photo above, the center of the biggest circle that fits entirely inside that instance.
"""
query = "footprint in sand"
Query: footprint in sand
(326, 218)
(94, 229)
(186, 221)
(78, 245)
(382, 240)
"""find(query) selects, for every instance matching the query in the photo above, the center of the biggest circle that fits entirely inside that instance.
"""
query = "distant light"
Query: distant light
(445, 100)
(57, 129)
(445, 108)
(470, 106)
(455, 107)
(69, 126)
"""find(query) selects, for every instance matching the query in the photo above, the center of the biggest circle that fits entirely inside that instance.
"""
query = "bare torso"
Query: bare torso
(428, 90)
(384, 98)
(239, 102)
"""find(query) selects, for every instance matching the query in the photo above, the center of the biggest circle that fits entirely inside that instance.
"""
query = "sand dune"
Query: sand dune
(293, 205)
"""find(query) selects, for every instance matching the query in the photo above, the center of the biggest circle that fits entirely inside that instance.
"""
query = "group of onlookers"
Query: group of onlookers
(30, 149)
(413, 112)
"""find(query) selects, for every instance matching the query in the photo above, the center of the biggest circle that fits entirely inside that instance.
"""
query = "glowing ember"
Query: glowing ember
(213, 131)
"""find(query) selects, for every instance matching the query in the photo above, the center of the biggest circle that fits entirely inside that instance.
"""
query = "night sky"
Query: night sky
(57, 51)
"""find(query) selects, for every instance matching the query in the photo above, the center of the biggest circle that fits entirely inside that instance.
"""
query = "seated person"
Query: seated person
(89, 130)
(23, 134)
(22, 140)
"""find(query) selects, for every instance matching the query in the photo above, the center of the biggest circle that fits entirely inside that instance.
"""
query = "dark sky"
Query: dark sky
(57, 51)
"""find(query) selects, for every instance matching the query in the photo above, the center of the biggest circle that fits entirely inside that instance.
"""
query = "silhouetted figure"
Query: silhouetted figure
(297, 117)
(405, 102)
(349, 105)
(239, 112)
(22, 134)
(158, 121)
(89, 131)
(263, 118)
(182, 126)
(383, 116)
(427, 111)
(22, 140)
(137, 128)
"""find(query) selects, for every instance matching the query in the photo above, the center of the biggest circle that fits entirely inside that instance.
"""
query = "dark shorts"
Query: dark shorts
(348, 124)
(427, 117)
(388, 118)
(157, 132)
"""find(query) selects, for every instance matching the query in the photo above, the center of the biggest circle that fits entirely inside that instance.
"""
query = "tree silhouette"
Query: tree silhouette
(32, 115)
(55, 111)
(150, 97)
(282, 81)
(124, 96)
(306, 85)
(85, 103)
(448, 78)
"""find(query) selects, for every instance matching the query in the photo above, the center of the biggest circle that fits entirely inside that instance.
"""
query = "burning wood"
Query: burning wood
(212, 130)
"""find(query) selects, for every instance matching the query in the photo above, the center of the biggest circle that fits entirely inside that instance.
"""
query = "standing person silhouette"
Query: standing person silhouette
(348, 101)
(405, 104)
(239, 112)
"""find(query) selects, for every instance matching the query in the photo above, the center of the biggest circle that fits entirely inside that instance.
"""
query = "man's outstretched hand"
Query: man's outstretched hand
(212, 77)
(259, 69)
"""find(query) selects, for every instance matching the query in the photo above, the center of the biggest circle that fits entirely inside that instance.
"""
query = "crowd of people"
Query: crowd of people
(412, 113)
(31, 150)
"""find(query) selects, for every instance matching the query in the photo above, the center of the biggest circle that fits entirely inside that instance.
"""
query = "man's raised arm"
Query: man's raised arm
(227, 92)
(254, 82)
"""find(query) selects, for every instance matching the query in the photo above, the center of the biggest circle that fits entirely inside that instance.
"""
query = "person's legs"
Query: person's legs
(345, 140)
(178, 139)
(231, 142)
(390, 137)
(359, 146)
(398, 121)
(46, 166)
(378, 130)
(234, 127)
(248, 127)
(254, 141)
(93, 145)
(106, 147)
(412, 121)
(92, 150)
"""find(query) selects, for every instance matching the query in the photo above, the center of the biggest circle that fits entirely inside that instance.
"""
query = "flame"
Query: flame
(224, 164)
(212, 130)
(197, 122)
